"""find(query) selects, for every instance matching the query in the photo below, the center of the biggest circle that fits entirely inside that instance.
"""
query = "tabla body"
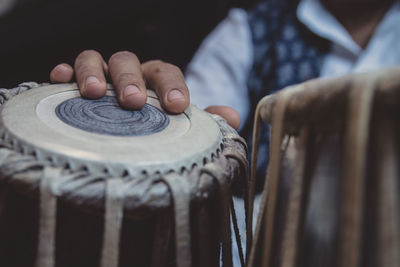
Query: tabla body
(332, 196)
(74, 196)
(80, 233)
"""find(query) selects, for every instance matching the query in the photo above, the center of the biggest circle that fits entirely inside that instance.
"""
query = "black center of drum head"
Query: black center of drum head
(105, 116)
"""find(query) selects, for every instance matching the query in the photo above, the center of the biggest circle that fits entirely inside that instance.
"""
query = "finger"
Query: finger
(62, 73)
(168, 82)
(89, 71)
(126, 74)
(229, 114)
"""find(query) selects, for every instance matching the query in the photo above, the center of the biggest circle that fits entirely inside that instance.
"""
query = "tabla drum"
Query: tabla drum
(331, 196)
(86, 183)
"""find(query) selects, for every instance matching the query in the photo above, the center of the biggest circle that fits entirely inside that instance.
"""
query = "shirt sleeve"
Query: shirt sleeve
(217, 74)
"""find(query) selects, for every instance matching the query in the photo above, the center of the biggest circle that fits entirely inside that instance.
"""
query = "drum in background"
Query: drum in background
(331, 196)
(85, 183)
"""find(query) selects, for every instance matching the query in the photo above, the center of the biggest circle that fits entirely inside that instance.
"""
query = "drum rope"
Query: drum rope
(113, 216)
(244, 170)
(252, 184)
(180, 194)
(237, 234)
(360, 107)
(230, 153)
(273, 174)
(291, 233)
(269, 195)
(235, 137)
(6, 94)
(47, 219)
(51, 186)
(220, 176)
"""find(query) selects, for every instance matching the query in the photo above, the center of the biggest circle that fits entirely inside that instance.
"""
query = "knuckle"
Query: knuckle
(172, 68)
(166, 68)
(155, 62)
(127, 78)
(121, 55)
(84, 70)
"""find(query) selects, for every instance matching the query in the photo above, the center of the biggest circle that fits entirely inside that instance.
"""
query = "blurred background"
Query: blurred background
(35, 35)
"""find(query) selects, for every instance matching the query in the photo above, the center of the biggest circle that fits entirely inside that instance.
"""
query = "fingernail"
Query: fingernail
(131, 90)
(91, 80)
(174, 95)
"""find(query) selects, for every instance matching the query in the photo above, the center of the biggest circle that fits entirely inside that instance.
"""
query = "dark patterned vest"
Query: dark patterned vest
(285, 53)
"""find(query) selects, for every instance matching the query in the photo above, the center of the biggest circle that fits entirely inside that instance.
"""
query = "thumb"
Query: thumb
(229, 114)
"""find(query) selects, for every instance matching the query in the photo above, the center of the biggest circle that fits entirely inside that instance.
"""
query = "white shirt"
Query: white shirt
(217, 74)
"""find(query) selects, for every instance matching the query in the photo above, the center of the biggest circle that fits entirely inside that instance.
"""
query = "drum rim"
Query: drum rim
(17, 136)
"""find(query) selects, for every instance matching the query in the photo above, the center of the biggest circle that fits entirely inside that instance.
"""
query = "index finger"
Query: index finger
(89, 70)
(126, 74)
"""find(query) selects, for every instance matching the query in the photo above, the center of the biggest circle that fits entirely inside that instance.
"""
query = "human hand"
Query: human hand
(130, 78)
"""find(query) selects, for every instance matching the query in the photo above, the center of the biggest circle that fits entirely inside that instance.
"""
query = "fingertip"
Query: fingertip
(62, 73)
(132, 97)
(176, 101)
(231, 116)
(234, 121)
(93, 88)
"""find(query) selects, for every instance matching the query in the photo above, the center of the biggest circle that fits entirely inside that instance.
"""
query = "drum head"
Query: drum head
(55, 123)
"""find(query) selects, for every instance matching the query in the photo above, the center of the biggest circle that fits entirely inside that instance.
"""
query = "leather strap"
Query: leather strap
(269, 197)
(237, 234)
(291, 233)
(252, 182)
(359, 113)
(217, 171)
(180, 193)
(113, 217)
(47, 218)
(230, 153)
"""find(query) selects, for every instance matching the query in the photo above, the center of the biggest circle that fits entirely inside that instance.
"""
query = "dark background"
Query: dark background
(38, 34)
